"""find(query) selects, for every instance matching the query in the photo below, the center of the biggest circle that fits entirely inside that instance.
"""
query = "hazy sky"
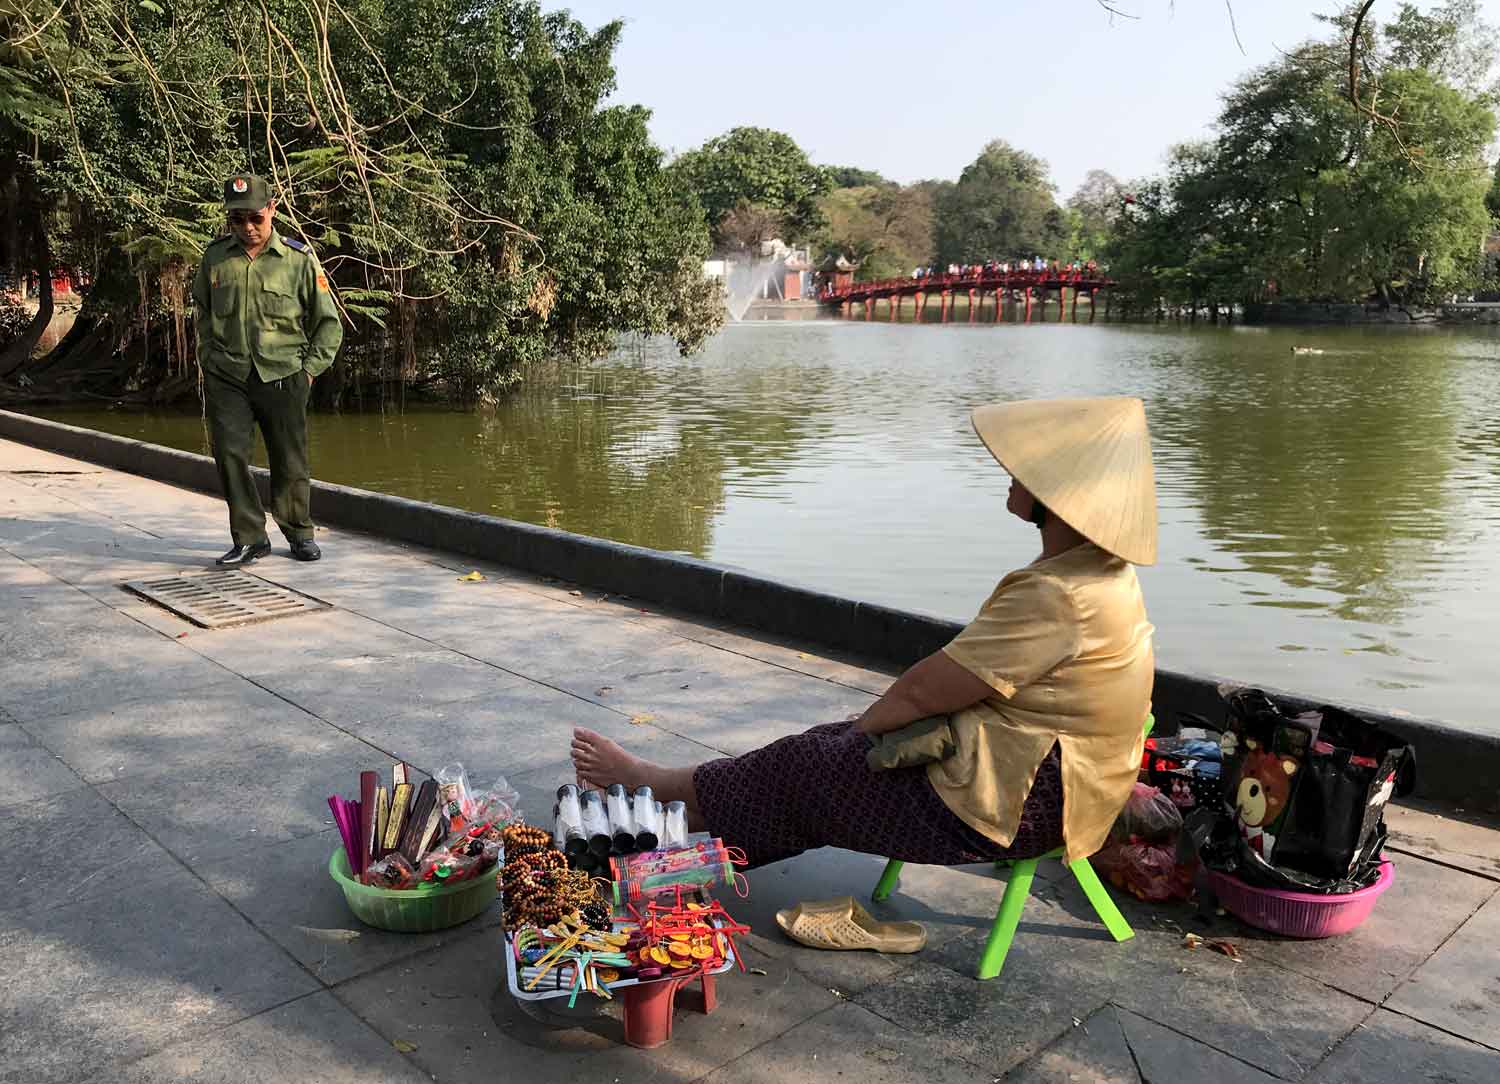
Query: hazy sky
(914, 89)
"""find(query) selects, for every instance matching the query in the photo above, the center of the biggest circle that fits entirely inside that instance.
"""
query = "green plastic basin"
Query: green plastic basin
(413, 910)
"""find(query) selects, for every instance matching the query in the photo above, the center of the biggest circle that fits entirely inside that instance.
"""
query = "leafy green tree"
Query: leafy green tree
(1094, 208)
(453, 161)
(886, 228)
(746, 225)
(853, 177)
(756, 166)
(1310, 191)
(86, 144)
(1410, 216)
(1001, 207)
(1492, 195)
(1451, 41)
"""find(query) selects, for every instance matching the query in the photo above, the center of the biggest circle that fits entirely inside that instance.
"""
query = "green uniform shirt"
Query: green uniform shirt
(275, 312)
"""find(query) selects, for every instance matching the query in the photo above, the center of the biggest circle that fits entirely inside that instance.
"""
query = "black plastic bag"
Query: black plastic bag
(1306, 794)
(1213, 838)
(1350, 774)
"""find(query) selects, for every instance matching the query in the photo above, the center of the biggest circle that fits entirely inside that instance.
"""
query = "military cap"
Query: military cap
(245, 192)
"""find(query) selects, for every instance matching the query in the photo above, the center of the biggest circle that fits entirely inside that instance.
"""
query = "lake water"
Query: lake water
(1328, 521)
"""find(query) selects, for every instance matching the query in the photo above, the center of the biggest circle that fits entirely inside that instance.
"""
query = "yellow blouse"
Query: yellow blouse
(1066, 646)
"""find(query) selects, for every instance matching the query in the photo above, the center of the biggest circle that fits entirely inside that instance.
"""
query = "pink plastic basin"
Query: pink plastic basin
(1299, 914)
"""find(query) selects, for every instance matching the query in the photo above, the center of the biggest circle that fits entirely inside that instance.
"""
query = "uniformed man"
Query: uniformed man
(266, 326)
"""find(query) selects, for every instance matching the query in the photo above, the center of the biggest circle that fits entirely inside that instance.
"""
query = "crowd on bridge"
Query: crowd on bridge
(1033, 272)
(1032, 265)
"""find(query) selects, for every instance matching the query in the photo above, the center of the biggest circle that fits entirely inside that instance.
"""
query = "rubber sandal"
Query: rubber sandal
(843, 924)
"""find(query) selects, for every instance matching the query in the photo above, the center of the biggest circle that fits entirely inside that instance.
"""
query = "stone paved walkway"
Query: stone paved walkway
(170, 918)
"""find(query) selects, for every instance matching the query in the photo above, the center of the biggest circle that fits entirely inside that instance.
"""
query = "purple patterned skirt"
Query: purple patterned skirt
(815, 790)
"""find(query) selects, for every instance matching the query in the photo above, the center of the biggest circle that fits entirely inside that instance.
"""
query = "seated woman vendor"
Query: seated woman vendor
(1040, 701)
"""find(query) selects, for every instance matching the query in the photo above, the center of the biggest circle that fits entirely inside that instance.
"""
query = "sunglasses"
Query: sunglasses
(241, 218)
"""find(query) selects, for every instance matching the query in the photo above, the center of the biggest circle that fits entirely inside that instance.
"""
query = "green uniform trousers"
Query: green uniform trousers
(280, 408)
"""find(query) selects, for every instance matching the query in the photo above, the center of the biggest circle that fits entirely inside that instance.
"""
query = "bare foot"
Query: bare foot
(600, 762)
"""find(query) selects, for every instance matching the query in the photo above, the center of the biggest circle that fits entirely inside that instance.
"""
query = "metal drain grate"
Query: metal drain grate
(217, 600)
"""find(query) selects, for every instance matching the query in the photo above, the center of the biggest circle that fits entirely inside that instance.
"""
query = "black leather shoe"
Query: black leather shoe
(244, 555)
(305, 549)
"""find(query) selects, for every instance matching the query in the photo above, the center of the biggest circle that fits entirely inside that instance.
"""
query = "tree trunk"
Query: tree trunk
(19, 352)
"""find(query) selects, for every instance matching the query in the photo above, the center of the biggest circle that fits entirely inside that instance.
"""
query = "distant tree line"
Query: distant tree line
(1350, 169)
(756, 184)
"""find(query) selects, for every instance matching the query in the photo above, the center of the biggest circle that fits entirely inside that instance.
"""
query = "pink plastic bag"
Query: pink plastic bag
(1148, 871)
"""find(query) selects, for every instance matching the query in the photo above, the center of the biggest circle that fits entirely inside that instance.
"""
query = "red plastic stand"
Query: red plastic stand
(648, 1008)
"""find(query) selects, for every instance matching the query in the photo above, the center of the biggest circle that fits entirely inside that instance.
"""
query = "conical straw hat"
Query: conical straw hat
(1087, 460)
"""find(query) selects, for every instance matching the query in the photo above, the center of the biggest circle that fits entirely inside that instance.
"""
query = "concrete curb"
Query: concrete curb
(1455, 765)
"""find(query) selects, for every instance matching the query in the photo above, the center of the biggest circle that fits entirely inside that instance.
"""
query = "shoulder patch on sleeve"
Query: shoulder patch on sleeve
(296, 245)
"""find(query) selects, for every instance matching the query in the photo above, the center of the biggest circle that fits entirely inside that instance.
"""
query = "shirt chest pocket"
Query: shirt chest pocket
(224, 298)
(279, 303)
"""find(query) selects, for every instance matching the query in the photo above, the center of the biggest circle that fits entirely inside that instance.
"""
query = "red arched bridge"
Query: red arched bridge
(981, 286)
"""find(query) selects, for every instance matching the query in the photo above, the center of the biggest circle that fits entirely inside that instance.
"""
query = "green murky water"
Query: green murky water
(1329, 521)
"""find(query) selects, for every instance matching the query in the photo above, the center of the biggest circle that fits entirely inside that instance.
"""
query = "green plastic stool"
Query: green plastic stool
(1003, 931)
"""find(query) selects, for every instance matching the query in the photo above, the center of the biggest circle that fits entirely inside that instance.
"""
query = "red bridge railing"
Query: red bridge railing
(974, 280)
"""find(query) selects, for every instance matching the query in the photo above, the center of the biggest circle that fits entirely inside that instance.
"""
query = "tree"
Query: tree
(101, 130)
(746, 225)
(886, 228)
(453, 162)
(1166, 239)
(1095, 207)
(1451, 42)
(998, 209)
(1492, 195)
(755, 166)
(853, 177)
(1316, 189)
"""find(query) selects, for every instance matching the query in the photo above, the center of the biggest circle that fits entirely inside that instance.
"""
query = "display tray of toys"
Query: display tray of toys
(642, 929)
(419, 856)
(680, 935)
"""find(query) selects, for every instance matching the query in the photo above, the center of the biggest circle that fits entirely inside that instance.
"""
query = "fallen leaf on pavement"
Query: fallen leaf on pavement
(472, 577)
(1225, 948)
(641, 718)
(403, 1046)
(603, 690)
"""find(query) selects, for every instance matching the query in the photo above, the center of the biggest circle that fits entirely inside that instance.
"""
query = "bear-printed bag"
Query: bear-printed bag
(1305, 795)
(1263, 757)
